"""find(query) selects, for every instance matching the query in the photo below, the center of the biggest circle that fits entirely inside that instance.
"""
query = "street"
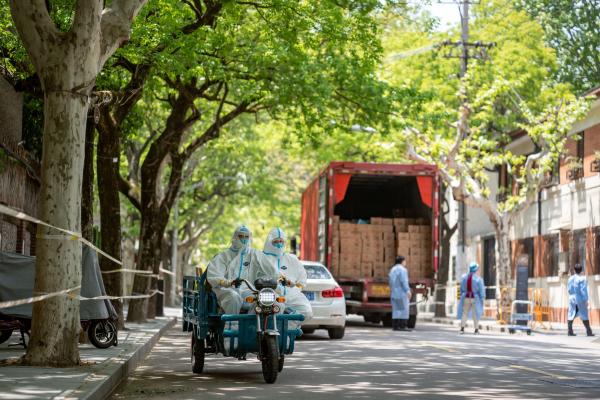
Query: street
(373, 362)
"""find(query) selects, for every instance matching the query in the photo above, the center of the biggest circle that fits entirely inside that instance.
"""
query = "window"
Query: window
(524, 247)
(581, 146)
(549, 257)
(578, 252)
(316, 272)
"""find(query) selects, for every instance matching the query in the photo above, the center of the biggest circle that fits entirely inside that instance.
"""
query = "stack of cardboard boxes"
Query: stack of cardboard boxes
(369, 250)
(413, 241)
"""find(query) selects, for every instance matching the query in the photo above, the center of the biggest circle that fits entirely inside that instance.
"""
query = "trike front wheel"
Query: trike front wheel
(270, 359)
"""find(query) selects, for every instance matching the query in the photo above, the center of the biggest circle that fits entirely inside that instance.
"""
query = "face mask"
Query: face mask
(278, 245)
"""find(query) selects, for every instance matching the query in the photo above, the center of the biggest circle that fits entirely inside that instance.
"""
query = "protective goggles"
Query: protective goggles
(278, 243)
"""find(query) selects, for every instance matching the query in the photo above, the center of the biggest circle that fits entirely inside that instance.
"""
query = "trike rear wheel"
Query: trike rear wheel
(270, 359)
(197, 354)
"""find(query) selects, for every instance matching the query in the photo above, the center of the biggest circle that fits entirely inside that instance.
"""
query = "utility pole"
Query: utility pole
(461, 257)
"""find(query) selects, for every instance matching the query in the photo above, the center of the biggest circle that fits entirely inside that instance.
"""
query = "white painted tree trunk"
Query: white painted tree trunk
(67, 64)
(56, 321)
(503, 269)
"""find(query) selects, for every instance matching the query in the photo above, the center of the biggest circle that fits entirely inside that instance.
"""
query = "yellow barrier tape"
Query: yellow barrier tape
(133, 296)
(70, 234)
(14, 303)
(166, 271)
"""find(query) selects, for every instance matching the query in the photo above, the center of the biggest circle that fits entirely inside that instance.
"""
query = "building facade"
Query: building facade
(557, 231)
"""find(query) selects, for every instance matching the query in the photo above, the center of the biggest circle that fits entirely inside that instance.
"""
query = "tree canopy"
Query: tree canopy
(571, 29)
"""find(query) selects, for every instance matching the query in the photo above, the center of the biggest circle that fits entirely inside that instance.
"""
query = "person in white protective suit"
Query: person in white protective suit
(275, 263)
(225, 279)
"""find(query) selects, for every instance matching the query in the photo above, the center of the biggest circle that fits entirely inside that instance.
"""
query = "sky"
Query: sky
(447, 13)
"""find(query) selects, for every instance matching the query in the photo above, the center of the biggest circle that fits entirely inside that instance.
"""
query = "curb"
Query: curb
(106, 380)
(451, 322)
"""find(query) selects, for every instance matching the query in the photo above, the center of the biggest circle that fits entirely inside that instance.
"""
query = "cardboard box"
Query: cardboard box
(350, 243)
(387, 221)
(414, 229)
(367, 269)
(376, 220)
(402, 236)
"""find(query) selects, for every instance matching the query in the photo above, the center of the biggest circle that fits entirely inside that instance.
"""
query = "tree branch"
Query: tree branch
(36, 29)
(127, 189)
(116, 26)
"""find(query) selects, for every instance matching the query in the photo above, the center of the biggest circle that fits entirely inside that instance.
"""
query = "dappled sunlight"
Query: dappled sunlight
(373, 362)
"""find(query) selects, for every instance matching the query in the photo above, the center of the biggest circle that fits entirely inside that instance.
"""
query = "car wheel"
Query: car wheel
(336, 333)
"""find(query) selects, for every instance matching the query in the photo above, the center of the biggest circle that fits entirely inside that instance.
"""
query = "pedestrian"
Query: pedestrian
(275, 263)
(224, 277)
(400, 294)
(472, 294)
(578, 300)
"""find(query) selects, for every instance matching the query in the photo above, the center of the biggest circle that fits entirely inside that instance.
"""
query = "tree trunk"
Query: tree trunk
(166, 264)
(87, 187)
(151, 232)
(443, 270)
(503, 272)
(110, 212)
(58, 262)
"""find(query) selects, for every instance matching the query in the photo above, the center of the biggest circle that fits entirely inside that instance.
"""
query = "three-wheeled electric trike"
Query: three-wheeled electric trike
(263, 330)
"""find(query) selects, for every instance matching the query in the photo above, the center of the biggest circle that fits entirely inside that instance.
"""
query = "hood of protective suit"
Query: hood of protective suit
(270, 248)
(473, 267)
(238, 244)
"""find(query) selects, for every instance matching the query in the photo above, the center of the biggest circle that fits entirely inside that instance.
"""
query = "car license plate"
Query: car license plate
(380, 290)
(309, 295)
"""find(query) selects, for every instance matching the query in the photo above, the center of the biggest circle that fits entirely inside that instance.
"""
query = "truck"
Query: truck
(357, 217)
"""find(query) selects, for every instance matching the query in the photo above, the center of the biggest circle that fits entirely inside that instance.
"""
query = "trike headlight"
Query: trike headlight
(266, 297)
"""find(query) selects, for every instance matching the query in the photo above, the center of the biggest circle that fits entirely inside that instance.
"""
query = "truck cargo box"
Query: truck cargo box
(357, 217)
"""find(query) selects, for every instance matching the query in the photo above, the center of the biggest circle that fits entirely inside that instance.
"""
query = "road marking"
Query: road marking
(538, 371)
(437, 346)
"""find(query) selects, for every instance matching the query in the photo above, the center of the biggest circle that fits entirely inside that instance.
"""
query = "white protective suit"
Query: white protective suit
(274, 262)
(220, 275)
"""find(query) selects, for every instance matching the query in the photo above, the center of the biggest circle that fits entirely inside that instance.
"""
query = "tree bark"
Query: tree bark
(67, 64)
(110, 210)
(503, 271)
(87, 189)
(58, 262)
(151, 232)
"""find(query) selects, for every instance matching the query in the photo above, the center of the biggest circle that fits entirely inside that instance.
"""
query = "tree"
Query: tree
(572, 30)
(67, 63)
(304, 63)
(494, 100)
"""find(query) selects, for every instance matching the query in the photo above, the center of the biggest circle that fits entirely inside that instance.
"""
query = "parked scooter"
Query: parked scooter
(17, 276)
(102, 333)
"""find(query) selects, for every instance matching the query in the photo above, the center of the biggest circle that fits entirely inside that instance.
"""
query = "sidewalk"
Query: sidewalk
(102, 371)
(493, 325)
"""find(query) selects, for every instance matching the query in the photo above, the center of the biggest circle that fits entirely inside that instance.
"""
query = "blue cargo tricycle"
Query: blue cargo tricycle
(263, 331)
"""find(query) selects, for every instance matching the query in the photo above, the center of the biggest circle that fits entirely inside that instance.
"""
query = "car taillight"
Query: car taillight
(336, 292)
